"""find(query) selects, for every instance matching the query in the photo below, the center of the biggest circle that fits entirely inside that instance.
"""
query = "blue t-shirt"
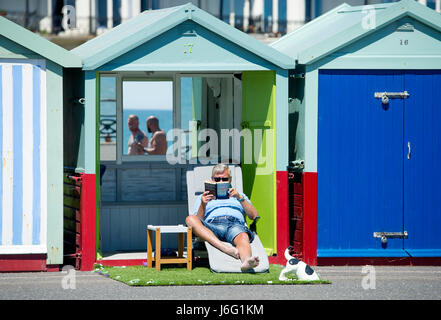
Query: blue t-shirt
(222, 207)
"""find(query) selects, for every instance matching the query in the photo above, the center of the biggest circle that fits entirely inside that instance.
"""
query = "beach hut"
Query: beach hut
(203, 78)
(365, 118)
(31, 148)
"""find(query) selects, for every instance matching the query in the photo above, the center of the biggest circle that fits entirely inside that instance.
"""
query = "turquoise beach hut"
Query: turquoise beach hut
(192, 72)
(31, 146)
(365, 118)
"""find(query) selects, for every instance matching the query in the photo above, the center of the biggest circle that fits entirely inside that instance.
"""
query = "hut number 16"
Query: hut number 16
(404, 42)
(188, 47)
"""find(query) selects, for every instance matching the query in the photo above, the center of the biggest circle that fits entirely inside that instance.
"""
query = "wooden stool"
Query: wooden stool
(180, 229)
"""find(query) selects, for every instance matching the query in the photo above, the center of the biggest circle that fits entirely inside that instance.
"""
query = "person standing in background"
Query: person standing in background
(138, 139)
(158, 141)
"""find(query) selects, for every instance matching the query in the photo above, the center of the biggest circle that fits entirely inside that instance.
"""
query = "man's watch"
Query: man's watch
(241, 199)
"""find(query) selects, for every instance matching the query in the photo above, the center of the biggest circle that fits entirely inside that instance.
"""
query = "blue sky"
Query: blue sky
(141, 95)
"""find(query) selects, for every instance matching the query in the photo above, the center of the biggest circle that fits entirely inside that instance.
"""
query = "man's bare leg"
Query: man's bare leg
(207, 235)
(242, 242)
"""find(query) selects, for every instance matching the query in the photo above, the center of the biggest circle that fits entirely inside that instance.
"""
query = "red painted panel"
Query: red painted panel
(310, 218)
(53, 268)
(280, 259)
(298, 189)
(282, 212)
(298, 200)
(298, 212)
(297, 246)
(298, 235)
(298, 224)
(88, 222)
(22, 262)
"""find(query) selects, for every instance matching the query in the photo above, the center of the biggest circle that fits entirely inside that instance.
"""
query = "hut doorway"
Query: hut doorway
(140, 187)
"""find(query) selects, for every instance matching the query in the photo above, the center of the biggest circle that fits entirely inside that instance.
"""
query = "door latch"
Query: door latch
(390, 235)
(385, 96)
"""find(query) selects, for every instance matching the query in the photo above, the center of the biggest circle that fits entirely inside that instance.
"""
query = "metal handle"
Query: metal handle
(390, 235)
(408, 150)
(385, 96)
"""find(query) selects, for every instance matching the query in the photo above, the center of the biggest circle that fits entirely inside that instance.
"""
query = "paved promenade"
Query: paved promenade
(379, 283)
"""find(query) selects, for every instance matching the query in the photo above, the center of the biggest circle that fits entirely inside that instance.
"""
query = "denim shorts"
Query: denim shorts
(226, 228)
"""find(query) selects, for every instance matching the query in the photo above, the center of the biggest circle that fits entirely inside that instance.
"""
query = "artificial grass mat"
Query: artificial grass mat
(174, 276)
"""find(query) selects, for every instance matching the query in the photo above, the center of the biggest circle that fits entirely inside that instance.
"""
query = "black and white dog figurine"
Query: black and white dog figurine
(301, 269)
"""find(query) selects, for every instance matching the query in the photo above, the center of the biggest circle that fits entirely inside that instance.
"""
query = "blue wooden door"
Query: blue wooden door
(379, 165)
(360, 166)
(422, 168)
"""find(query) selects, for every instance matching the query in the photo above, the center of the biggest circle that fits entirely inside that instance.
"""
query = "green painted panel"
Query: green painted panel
(54, 93)
(405, 37)
(90, 126)
(310, 109)
(196, 114)
(316, 40)
(259, 175)
(16, 40)
(282, 120)
(10, 49)
(188, 47)
(153, 24)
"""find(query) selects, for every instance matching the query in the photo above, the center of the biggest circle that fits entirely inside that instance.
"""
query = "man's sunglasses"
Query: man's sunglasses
(217, 179)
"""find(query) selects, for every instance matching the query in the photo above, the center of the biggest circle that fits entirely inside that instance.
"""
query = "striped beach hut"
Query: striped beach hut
(31, 149)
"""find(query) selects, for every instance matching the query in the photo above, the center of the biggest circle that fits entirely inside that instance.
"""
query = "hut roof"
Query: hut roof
(152, 23)
(346, 24)
(43, 47)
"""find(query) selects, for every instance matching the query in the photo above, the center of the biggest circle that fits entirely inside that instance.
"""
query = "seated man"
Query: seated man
(218, 220)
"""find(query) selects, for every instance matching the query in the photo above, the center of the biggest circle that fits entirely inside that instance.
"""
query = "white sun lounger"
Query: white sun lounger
(219, 261)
